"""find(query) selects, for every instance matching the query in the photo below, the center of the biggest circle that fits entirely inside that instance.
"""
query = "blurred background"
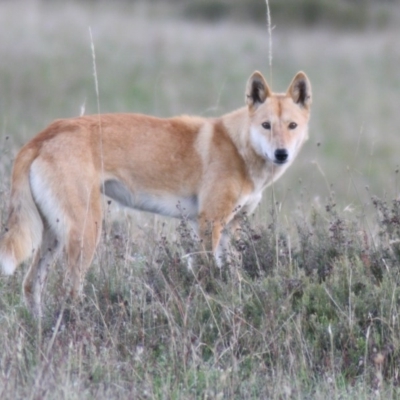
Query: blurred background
(194, 57)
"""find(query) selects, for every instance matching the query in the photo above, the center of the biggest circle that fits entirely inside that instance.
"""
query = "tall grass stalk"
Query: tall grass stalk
(269, 27)
(96, 85)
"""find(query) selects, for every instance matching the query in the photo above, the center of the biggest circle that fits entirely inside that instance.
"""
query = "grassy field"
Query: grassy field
(311, 308)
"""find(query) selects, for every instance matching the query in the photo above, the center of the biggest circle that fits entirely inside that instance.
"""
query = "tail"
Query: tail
(24, 230)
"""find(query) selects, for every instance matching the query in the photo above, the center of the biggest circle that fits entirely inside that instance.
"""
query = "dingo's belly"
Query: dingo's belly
(165, 204)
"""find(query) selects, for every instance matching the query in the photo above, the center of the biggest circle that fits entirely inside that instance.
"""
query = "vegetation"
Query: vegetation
(307, 306)
(340, 13)
(287, 317)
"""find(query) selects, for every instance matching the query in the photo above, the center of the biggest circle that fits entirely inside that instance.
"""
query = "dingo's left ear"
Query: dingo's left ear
(300, 90)
(257, 90)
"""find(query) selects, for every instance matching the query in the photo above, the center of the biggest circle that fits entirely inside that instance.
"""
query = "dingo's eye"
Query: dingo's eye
(292, 125)
(266, 125)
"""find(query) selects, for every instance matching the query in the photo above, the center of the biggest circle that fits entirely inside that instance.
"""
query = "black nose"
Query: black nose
(281, 156)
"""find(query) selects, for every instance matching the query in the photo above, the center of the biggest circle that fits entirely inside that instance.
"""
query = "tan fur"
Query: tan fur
(211, 170)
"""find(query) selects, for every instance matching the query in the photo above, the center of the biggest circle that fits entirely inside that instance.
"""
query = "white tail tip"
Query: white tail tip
(8, 264)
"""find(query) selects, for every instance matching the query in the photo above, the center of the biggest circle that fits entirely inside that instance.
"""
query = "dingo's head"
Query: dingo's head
(278, 122)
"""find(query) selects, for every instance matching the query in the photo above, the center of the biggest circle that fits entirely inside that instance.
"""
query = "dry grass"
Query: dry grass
(311, 311)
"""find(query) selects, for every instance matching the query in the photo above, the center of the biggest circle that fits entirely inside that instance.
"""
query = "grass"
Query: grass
(309, 306)
(287, 321)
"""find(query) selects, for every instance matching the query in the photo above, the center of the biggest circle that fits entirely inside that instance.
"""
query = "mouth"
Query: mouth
(280, 162)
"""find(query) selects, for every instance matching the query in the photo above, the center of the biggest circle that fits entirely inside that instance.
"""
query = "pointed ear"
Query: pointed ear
(300, 90)
(257, 90)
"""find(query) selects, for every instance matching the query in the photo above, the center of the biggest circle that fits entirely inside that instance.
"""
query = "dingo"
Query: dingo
(215, 168)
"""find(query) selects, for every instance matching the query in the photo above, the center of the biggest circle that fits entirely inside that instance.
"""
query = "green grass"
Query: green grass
(308, 310)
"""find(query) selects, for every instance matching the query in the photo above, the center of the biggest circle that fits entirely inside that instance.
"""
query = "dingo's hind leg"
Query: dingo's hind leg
(35, 278)
(82, 240)
(73, 218)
